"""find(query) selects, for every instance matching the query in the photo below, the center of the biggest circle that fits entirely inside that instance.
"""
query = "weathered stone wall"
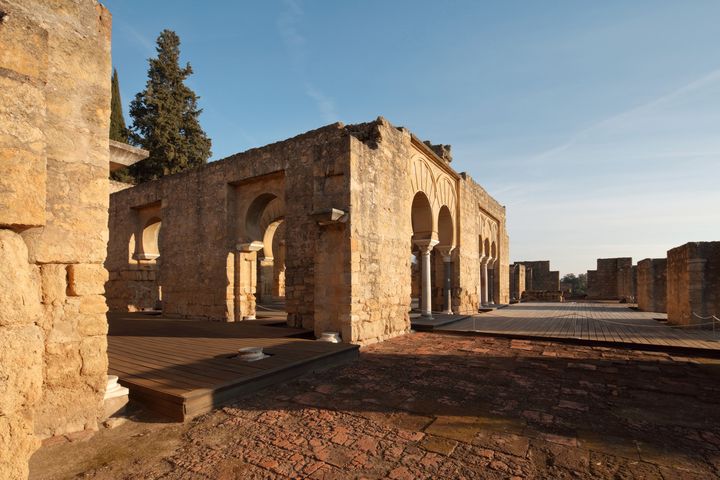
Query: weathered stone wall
(517, 281)
(693, 283)
(614, 279)
(205, 213)
(349, 274)
(54, 119)
(481, 218)
(652, 285)
(539, 277)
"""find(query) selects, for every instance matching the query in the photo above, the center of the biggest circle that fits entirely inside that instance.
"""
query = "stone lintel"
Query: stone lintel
(146, 256)
(329, 216)
(123, 155)
(249, 247)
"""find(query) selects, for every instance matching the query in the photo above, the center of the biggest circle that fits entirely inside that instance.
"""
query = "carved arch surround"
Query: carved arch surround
(437, 185)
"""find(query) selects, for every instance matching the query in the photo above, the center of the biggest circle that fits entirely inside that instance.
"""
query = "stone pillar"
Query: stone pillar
(425, 247)
(484, 300)
(246, 279)
(446, 252)
(492, 298)
(266, 268)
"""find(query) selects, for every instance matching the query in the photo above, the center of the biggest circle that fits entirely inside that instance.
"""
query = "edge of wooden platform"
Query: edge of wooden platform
(677, 349)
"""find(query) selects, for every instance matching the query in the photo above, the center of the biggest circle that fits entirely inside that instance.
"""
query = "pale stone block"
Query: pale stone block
(20, 367)
(92, 304)
(94, 357)
(54, 283)
(20, 292)
(86, 279)
(92, 324)
(17, 443)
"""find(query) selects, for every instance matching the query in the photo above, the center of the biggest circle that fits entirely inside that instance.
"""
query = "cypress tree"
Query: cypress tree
(165, 116)
(118, 132)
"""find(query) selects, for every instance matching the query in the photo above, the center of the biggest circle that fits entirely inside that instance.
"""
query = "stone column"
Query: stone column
(485, 276)
(425, 247)
(245, 307)
(491, 283)
(447, 262)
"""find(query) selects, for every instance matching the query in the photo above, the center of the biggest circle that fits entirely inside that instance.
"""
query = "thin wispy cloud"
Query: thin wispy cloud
(691, 87)
(147, 45)
(296, 44)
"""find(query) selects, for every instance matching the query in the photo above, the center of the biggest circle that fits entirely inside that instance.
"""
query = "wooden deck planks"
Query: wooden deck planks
(613, 323)
(181, 368)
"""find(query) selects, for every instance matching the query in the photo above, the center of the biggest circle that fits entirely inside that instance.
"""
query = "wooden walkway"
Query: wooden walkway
(591, 322)
(183, 368)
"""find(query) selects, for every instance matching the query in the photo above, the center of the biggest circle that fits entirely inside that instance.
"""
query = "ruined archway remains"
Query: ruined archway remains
(344, 196)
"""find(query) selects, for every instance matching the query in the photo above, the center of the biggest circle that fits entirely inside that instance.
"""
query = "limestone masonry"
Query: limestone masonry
(328, 219)
(54, 118)
(652, 285)
(693, 284)
(614, 279)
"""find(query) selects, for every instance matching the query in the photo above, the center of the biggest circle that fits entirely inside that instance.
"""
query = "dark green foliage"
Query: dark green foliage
(118, 132)
(165, 117)
(578, 283)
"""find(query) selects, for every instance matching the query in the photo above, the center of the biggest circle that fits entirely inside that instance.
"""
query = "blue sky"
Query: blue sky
(597, 124)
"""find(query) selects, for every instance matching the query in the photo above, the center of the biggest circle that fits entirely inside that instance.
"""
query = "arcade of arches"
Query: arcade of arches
(323, 223)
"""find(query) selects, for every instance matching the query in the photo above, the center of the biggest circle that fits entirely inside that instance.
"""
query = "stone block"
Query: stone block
(92, 304)
(20, 367)
(23, 48)
(54, 283)
(17, 443)
(92, 324)
(86, 279)
(62, 364)
(20, 292)
(93, 351)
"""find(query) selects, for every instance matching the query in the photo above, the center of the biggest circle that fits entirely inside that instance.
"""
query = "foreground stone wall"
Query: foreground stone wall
(539, 277)
(614, 279)
(54, 119)
(693, 283)
(652, 285)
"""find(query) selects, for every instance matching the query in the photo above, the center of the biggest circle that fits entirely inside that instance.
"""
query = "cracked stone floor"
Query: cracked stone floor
(428, 405)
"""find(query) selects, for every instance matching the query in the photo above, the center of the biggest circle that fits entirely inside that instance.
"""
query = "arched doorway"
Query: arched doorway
(423, 240)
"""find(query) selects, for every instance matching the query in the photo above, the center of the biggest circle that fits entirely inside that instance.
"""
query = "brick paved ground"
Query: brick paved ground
(436, 406)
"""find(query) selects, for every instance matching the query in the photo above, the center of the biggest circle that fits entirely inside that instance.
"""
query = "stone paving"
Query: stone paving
(437, 406)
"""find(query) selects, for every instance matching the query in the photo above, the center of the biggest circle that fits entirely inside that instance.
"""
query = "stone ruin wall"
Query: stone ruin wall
(475, 206)
(693, 283)
(614, 279)
(652, 285)
(54, 118)
(202, 214)
(383, 159)
(352, 286)
(381, 232)
(539, 277)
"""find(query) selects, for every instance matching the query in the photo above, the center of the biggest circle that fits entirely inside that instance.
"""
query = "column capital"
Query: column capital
(446, 252)
(426, 245)
(249, 247)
